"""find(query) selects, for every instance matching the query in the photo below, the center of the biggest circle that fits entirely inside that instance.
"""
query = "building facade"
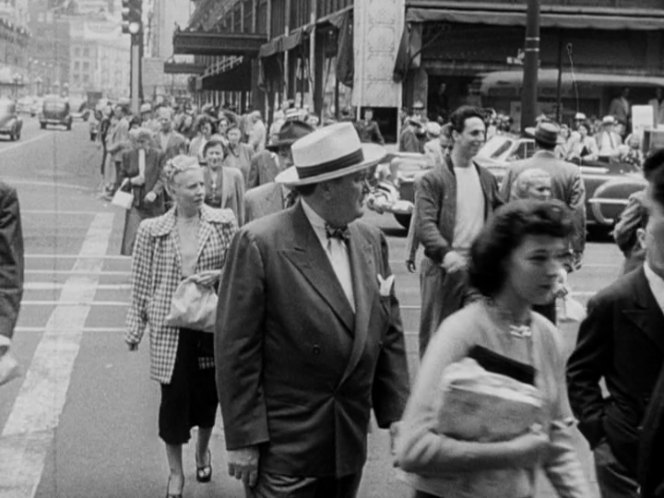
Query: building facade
(100, 58)
(329, 54)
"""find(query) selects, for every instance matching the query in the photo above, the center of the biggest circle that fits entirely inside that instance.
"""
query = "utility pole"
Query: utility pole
(132, 24)
(530, 65)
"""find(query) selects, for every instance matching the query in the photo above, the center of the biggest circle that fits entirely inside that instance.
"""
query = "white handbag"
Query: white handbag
(123, 199)
(194, 306)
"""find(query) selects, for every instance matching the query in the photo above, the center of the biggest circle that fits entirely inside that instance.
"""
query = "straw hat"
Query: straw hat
(545, 132)
(330, 152)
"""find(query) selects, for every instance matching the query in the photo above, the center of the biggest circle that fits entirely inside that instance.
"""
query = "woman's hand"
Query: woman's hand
(208, 278)
(150, 197)
(531, 448)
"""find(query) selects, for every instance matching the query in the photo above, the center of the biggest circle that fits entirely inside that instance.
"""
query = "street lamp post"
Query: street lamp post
(530, 65)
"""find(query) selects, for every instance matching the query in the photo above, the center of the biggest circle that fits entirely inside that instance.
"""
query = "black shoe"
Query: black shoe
(204, 472)
(173, 495)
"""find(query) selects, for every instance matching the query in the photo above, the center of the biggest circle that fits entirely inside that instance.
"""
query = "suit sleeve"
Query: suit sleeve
(239, 200)
(412, 243)
(238, 344)
(158, 187)
(141, 285)
(629, 221)
(585, 368)
(253, 179)
(12, 264)
(577, 203)
(428, 201)
(391, 381)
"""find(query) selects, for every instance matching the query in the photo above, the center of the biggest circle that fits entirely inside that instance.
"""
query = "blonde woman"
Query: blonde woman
(191, 239)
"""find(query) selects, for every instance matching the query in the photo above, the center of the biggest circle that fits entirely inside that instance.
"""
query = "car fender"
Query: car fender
(613, 194)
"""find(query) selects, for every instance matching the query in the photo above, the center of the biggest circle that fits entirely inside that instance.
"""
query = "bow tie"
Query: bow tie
(521, 331)
(337, 233)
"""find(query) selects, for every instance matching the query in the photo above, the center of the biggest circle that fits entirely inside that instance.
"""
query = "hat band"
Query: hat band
(330, 166)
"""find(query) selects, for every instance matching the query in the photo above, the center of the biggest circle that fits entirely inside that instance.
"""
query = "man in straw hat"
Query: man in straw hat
(309, 336)
(566, 182)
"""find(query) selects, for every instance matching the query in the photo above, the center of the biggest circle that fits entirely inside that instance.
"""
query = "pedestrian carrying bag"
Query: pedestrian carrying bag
(123, 199)
(194, 306)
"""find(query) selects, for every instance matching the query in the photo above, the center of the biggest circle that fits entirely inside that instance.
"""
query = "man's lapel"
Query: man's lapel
(365, 279)
(310, 259)
(646, 314)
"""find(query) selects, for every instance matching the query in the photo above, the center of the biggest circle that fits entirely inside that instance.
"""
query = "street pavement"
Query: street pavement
(81, 422)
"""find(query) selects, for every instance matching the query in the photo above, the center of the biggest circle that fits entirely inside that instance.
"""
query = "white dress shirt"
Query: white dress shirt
(336, 250)
(656, 284)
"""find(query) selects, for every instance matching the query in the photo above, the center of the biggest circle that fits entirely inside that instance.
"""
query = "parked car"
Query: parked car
(608, 185)
(10, 122)
(55, 111)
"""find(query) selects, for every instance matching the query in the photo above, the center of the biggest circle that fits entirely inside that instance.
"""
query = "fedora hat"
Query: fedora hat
(289, 132)
(608, 120)
(545, 132)
(327, 153)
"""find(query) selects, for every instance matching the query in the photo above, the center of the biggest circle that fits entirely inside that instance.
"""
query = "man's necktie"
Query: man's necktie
(337, 233)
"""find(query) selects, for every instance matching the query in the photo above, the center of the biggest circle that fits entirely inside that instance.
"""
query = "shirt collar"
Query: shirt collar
(656, 284)
(316, 221)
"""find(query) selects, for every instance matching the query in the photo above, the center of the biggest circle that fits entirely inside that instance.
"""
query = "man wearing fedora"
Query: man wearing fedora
(271, 197)
(566, 182)
(309, 337)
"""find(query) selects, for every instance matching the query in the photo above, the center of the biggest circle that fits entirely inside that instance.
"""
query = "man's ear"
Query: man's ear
(641, 237)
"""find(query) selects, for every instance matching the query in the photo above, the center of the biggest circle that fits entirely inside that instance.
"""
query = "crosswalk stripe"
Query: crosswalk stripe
(78, 272)
(45, 286)
(78, 256)
(73, 303)
(30, 428)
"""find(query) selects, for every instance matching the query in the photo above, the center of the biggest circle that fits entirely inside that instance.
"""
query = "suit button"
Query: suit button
(316, 349)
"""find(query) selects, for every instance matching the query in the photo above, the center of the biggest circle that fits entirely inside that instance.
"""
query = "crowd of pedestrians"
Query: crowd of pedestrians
(308, 339)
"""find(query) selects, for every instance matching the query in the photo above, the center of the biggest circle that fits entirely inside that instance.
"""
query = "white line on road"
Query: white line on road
(59, 212)
(47, 286)
(114, 330)
(26, 142)
(74, 303)
(30, 428)
(78, 272)
(76, 256)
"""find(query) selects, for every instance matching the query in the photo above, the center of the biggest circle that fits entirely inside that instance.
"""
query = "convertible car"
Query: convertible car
(608, 185)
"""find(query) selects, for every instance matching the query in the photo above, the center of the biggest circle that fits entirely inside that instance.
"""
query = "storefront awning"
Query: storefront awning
(549, 77)
(284, 43)
(517, 17)
(237, 79)
(183, 68)
(204, 43)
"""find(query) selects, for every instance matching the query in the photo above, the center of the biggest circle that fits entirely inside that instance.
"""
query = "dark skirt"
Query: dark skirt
(191, 397)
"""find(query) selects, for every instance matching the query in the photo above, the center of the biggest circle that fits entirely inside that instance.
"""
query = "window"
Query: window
(86, 66)
(86, 52)
(77, 65)
(86, 78)
(77, 51)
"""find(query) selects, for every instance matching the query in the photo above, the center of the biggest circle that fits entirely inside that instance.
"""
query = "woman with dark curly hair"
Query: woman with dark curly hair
(514, 263)
(204, 130)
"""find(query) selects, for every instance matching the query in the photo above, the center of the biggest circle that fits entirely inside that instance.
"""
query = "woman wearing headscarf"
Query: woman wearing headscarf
(204, 130)
(189, 241)
(514, 264)
(140, 173)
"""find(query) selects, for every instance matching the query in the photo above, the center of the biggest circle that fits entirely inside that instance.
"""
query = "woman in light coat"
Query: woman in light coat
(191, 239)
(514, 264)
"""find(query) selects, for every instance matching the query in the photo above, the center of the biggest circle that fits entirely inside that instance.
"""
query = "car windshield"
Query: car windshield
(495, 147)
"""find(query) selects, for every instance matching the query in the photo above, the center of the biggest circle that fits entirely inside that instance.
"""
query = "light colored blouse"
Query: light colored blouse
(422, 451)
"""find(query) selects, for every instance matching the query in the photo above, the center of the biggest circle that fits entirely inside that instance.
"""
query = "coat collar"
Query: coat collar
(166, 223)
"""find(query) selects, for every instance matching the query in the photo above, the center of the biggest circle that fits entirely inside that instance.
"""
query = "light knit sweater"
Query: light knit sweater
(422, 451)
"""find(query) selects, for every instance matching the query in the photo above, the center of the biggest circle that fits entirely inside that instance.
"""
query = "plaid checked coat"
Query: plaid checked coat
(156, 273)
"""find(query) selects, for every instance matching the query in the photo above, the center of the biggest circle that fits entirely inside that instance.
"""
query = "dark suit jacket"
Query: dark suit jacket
(263, 200)
(263, 169)
(622, 341)
(153, 179)
(297, 371)
(11, 259)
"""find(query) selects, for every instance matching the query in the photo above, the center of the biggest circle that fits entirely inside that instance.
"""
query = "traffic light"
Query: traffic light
(132, 13)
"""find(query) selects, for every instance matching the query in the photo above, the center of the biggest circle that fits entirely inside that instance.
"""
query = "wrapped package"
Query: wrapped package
(477, 405)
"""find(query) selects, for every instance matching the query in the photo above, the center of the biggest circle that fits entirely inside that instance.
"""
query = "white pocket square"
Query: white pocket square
(385, 285)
